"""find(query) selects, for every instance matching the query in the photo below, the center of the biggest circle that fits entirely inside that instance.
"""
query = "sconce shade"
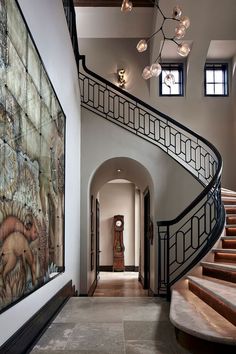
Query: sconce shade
(177, 12)
(147, 73)
(185, 21)
(169, 80)
(155, 69)
(183, 49)
(126, 6)
(180, 31)
(142, 45)
(121, 77)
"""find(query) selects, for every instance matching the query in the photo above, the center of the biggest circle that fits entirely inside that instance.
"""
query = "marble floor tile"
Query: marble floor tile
(146, 347)
(147, 330)
(99, 312)
(119, 325)
(150, 311)
(106, 337)
(55, 337)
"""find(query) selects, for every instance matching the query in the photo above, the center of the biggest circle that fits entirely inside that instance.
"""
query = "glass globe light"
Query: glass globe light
(185, 21)
(177, 12)
(146, 73)
(126, 6)
(169, 80)
(155, 69)
(180, 31)
(142, 45)
(183, 49)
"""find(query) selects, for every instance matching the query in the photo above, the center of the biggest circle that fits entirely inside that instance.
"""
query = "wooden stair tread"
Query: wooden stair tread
(224, 250)
(193, 316)
(229, 199)
(218, 290)
(226, 191)
(219, 281)
(230, 225)
(229, 237)
(221, 266)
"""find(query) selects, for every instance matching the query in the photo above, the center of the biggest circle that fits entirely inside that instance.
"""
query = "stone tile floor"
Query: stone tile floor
(111, 325)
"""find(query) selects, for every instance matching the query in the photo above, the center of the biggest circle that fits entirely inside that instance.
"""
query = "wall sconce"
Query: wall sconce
(121, 78)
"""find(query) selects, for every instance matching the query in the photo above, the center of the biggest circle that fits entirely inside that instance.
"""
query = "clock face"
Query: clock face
(118, 223)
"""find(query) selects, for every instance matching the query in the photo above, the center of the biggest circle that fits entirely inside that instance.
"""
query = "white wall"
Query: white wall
(168, 195)
(117, 199)
(48, 26)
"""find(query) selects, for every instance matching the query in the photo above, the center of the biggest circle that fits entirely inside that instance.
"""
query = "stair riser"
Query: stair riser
(229, 244)
(231, 220)
(214, 302)
(196, 345)
(230, 231)
(230, 210)
(225, 257)
(220, 274)
(228, 195)
(231, 202)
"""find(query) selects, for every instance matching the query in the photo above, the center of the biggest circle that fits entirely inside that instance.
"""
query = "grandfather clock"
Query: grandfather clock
(118, 245)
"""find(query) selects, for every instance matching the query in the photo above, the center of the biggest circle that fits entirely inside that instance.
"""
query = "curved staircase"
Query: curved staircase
(203, 305)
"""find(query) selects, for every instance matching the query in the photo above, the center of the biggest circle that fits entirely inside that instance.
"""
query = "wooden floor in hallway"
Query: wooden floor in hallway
(119, 284)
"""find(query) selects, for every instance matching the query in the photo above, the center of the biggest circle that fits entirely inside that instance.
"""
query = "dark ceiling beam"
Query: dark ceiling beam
(111, 3)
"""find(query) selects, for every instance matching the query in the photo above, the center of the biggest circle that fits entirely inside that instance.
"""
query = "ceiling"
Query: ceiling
(111, 3)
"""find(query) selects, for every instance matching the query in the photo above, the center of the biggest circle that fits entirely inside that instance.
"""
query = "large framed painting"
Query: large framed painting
(32, 134)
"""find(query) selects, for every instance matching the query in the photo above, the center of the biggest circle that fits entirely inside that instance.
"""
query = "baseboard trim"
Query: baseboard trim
(92, 288)
(131, 268)
(109, 268)
(151, 293)
(23, 340)
(141, 279)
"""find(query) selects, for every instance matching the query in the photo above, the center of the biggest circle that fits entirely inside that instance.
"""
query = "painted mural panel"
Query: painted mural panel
(31, 164)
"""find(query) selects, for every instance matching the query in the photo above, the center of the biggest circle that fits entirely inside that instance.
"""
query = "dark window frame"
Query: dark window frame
(224, 67)
(168, 67)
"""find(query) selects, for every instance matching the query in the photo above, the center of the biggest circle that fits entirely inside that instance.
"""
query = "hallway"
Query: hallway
(111, 325)
(119, 284)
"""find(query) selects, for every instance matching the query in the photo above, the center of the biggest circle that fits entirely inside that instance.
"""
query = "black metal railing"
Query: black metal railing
(183, 241)
(71, 22)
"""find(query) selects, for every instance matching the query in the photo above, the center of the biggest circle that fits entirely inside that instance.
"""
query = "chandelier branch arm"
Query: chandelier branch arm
(154, 33)
(160, 52)
(183, 48)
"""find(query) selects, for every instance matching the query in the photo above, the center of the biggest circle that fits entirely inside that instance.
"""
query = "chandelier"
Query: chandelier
(183, 48)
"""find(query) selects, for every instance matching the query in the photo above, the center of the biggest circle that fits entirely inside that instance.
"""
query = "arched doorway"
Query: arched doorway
(119, 186)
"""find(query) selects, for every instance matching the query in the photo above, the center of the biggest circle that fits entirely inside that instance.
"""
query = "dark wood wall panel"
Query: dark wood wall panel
(25, 338)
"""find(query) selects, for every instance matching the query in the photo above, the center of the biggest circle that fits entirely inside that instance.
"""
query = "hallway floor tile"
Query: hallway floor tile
(111, 325)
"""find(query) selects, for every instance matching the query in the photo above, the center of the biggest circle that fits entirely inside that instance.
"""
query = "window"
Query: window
(177, 88)
(216, 79)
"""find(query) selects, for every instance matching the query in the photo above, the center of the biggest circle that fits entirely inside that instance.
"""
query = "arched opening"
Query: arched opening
(121, 186)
